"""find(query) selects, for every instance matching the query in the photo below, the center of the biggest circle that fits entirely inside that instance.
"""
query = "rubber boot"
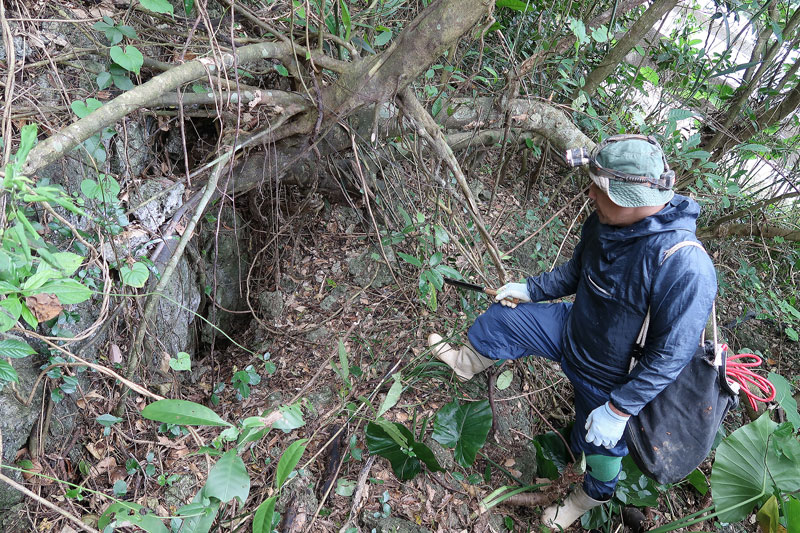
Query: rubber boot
(562, 516)
(465, 361)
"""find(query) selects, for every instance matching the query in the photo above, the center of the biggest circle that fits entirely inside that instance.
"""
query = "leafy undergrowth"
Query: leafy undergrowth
(341, 357)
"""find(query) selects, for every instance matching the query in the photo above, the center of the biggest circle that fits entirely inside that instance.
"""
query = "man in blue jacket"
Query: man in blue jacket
(617, 272)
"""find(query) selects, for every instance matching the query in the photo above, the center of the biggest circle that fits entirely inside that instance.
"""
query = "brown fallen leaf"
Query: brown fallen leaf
(115, 357)
(44, 306)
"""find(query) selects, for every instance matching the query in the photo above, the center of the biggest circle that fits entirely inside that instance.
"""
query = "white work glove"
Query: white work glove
(605, 427)
(512, 290)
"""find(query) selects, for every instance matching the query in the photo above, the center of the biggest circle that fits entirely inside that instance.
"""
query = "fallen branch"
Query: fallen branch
(765, 231)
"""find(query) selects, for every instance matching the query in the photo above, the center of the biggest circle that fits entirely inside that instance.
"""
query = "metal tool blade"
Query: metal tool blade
(464, 285)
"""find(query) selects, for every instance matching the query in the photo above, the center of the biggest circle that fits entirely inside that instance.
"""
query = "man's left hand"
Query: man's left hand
(604, 426)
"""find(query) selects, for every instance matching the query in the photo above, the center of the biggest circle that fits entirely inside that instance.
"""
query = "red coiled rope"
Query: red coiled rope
(738, 370)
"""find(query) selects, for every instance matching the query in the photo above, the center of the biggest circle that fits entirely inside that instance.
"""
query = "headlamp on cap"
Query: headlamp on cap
(577, 157)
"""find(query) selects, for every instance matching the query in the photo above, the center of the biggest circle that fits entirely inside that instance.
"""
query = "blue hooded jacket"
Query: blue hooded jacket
(615, 274)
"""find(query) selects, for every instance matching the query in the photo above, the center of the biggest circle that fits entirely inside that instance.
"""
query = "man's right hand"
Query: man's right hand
(512, 290)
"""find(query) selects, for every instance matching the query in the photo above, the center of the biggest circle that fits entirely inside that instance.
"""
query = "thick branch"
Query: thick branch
(765, 231)
(58, 144)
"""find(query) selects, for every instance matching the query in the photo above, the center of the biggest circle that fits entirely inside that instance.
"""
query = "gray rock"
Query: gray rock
(270, 303)
(22, 50)
(181, 491)
(318, 334)
(131, 150)
(348, 218)
(16, 420)
(170, 331)
(391, 524)
(228, 248)
(366, 270)
(321, 399)
(526, 463)
(161, 198)
(335, 299)
(17, 520)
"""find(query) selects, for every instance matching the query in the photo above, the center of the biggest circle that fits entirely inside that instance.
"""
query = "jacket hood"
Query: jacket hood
(679, 214)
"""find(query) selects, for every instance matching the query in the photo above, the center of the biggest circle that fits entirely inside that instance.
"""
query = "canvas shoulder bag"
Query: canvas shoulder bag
(675, 431)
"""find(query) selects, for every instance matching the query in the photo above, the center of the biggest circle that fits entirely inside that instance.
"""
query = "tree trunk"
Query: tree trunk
(633, 36)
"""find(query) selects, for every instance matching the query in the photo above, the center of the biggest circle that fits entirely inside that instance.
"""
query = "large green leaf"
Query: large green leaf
(748, 464)
(228, 479)
(463, 427)
(15, 349)
(792, 510)
(182, 412)
(784, 398)
(68, 291)
(10, 309)
(406, 462)
(7, 372)
(289, 459)
(201, 522)
(262, 520)
(552, 455)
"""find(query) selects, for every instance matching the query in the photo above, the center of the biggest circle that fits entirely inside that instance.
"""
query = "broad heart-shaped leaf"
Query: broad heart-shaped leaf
(129, 513)
(406, 462)
(182, 412)
(747, 464)
(289, 459)
(15, 349)
(228, 479)
(552, 455)
(135, 275)
(785, 399)
(262, 520)
(130, 59)
(463, 427)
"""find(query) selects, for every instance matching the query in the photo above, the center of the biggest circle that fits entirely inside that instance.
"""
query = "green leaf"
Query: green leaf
(516, 5)
(410, 259)
(785, 398)
(792, 512)
(634, 488)
(132, 514)
(382, 38)
(649, 74)
(10, 310)
(15, 349)
(188, 5)
(601, 34)
(130, 59)
(698, 480)
(791, 333)
(344, 365)
(392, 396)
(181, 361)
(135, 275)
(345, 487)
(7, 372)
(288, 461)
(406, 462)
(551, 454)
(292, 418)
(68, 262)
(228, 479)
(262, 520)
(680, 114)
(203, 522)
(504, 380)
(157, 6)
(747, 467)
(84, 109)
(182, 412)
(281, 70)
(69, 291)
(768, 516)
(463, 427)
(346, 19)
(108, 420)
(26, 142)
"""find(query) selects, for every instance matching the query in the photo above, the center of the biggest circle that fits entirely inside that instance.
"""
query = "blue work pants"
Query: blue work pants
(536, 329)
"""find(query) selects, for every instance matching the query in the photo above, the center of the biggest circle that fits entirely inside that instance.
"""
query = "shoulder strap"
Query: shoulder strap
(646, 324)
